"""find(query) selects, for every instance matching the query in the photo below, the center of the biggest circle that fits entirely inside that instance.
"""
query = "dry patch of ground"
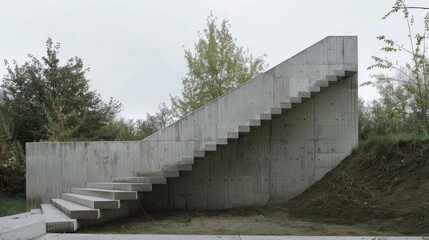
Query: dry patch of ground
(378, 190)
(384, 186)
(268, 220)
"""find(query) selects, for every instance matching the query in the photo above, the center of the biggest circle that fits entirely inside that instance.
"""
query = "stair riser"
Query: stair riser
(232, 135)
(199, 154)
(160, 174)
(210, 147)
(61, 226)
(77, 214)
(185, 167)
(222, 141)
(57, 223)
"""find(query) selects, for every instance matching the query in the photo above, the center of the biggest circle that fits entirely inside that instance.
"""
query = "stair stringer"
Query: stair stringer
(179, 193)
(212, 121)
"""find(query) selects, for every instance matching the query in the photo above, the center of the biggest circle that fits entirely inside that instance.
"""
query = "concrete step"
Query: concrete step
(314, 89)
(91, 201)
(295, 100)
(74, 210)
(243, 129)
(210, 147)
(321, 83)
(285, 105)
(232, 135)
(265, 116)
(186, 160)
(199, 154)
(254, 123)
(138, 187)
(104, 193)
(304, 94)
(161, 173)
(275, 111)
(178, 167)
(22, 226)
(331, 78)
(222, 141)
(349, 73)
(56, 221)
(153, 180)
(340, 73)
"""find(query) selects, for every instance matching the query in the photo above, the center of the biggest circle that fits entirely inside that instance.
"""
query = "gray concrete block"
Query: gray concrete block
(74, 210)
(178, 167)
(152, 180)
(139, 187)
(56, 221)
(105, 193)
(91, 201)
(163, 173)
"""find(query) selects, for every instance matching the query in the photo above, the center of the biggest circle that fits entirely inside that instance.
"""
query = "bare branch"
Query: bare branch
(420, 8)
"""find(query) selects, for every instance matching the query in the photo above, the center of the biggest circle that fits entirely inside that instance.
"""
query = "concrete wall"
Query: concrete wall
(274, 162)
(53, 168)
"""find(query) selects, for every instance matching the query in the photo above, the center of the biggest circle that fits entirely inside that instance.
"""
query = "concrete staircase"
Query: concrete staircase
(86, 183)
(88, 203)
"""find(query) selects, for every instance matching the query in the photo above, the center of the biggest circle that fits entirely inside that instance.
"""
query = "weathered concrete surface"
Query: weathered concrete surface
(28, 225)
(212, 237)
(274, 162)
(53, 168)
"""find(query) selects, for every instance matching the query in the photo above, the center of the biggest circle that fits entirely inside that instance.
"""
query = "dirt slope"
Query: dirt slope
(387, 188)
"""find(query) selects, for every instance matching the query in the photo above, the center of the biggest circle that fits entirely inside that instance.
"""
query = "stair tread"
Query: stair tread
(124, 186)
(152, 180)
(119, 183)
(90, 198)
(53, 214)
(103, 190)
(71, 206)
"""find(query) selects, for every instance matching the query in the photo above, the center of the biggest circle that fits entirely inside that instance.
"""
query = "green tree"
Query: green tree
(12, 160)
(392, 114)
(156, 122)
(49, 101)
(119, 130)
(413, 76)
(216, 66)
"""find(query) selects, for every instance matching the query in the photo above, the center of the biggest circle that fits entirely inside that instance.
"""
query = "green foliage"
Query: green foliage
(382, 142)
(391, 114)
(118, 130)
(217, 66)
(156, 122)
(49, 101)
(122, 130)
(12, 160)
(11, 205)
(410, 87)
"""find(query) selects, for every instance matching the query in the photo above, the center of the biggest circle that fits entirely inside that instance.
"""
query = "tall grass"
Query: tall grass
(11, 205)
(381, 142)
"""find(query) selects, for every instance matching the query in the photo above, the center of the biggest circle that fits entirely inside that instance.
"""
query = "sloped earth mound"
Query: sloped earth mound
(384, 187)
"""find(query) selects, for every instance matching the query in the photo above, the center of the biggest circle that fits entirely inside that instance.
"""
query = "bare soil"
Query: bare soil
(385, 188)
(378, 191)
(268, 220)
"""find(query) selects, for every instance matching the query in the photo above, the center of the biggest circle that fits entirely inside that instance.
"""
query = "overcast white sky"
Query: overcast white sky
(134, 48)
